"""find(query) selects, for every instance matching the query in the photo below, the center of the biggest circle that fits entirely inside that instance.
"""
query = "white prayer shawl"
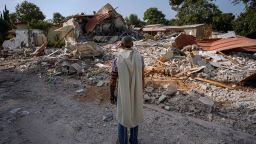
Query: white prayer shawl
(130, 91)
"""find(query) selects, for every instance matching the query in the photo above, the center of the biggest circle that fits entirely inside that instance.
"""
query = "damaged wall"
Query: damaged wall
(26, 38)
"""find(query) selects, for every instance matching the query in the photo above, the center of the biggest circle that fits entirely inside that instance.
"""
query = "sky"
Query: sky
(124, 7)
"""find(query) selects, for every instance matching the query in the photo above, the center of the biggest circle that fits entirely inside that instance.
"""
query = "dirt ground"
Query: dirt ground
(39, 110)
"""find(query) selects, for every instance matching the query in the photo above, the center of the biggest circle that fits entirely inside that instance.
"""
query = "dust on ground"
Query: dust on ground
(38, 110)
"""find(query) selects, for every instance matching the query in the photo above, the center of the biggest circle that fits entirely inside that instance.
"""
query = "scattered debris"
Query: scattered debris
(162, 99)
(206, 101)
(15, 110)
(108, 117)
(40, 50)
(183, 73)
(105, 26)
(79, 91)
(86, 49)
(100, 83)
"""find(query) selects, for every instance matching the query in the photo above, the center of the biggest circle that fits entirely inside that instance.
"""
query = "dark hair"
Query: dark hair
(127, 42)
(126, 39)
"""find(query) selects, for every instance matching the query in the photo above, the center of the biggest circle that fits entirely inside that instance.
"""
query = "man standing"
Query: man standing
(128, 68)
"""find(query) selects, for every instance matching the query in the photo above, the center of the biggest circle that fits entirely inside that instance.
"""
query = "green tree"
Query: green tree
(6, 15)
(40, 24)
(4, 24)
(245, 24)
(202, 11)
(133, 19)
(175, 4)
(224, 22)
(57, 18)
(27, 12)
(13, 19)
(154, 16)
(173, 22)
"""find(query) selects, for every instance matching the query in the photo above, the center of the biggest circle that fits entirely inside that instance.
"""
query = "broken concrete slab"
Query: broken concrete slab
(170, 53)
(149, 89)
(162, 99)
(171, 90)
(206, 101)
(86, 49)
(100, 83)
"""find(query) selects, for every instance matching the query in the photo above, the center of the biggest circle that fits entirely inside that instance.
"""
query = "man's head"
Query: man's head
(126, 42)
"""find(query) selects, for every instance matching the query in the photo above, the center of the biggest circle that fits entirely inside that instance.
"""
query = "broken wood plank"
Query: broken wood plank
(213, 82)
(159, 61)
(53, 53)
(195, 70)
(227, 57)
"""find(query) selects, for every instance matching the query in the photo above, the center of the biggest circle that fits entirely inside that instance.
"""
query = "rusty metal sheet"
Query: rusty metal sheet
(237, 44)
(183, 40)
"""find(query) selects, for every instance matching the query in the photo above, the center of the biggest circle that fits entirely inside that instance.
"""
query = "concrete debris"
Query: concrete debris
(146, 97)
(80, 91)
(69, 67)
(149, 89)
(171, 53)
(206, 101)
(171, 90)
(108, 117)
(162, 99)
(168, 108)
(15, 110)
(86, 49)
(100, 65)
(100, 83)
(183, 74)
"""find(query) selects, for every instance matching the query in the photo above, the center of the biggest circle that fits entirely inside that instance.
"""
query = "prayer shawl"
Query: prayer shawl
(130, 91)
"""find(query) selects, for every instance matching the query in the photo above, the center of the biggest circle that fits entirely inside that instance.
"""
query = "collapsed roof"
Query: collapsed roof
(103, 26)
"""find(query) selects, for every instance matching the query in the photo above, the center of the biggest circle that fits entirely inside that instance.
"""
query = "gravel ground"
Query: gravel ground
(39, 110)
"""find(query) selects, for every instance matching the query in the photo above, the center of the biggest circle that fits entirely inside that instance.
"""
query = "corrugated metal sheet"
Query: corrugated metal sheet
(238, 44)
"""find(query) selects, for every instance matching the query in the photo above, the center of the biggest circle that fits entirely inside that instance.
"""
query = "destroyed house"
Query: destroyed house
(104, 26)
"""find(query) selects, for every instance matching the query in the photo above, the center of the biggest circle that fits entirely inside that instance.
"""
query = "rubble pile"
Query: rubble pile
(194, 77)
(106, 26)
(215, 81)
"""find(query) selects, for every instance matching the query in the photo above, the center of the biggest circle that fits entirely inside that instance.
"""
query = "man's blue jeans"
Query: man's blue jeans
(123, 135)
